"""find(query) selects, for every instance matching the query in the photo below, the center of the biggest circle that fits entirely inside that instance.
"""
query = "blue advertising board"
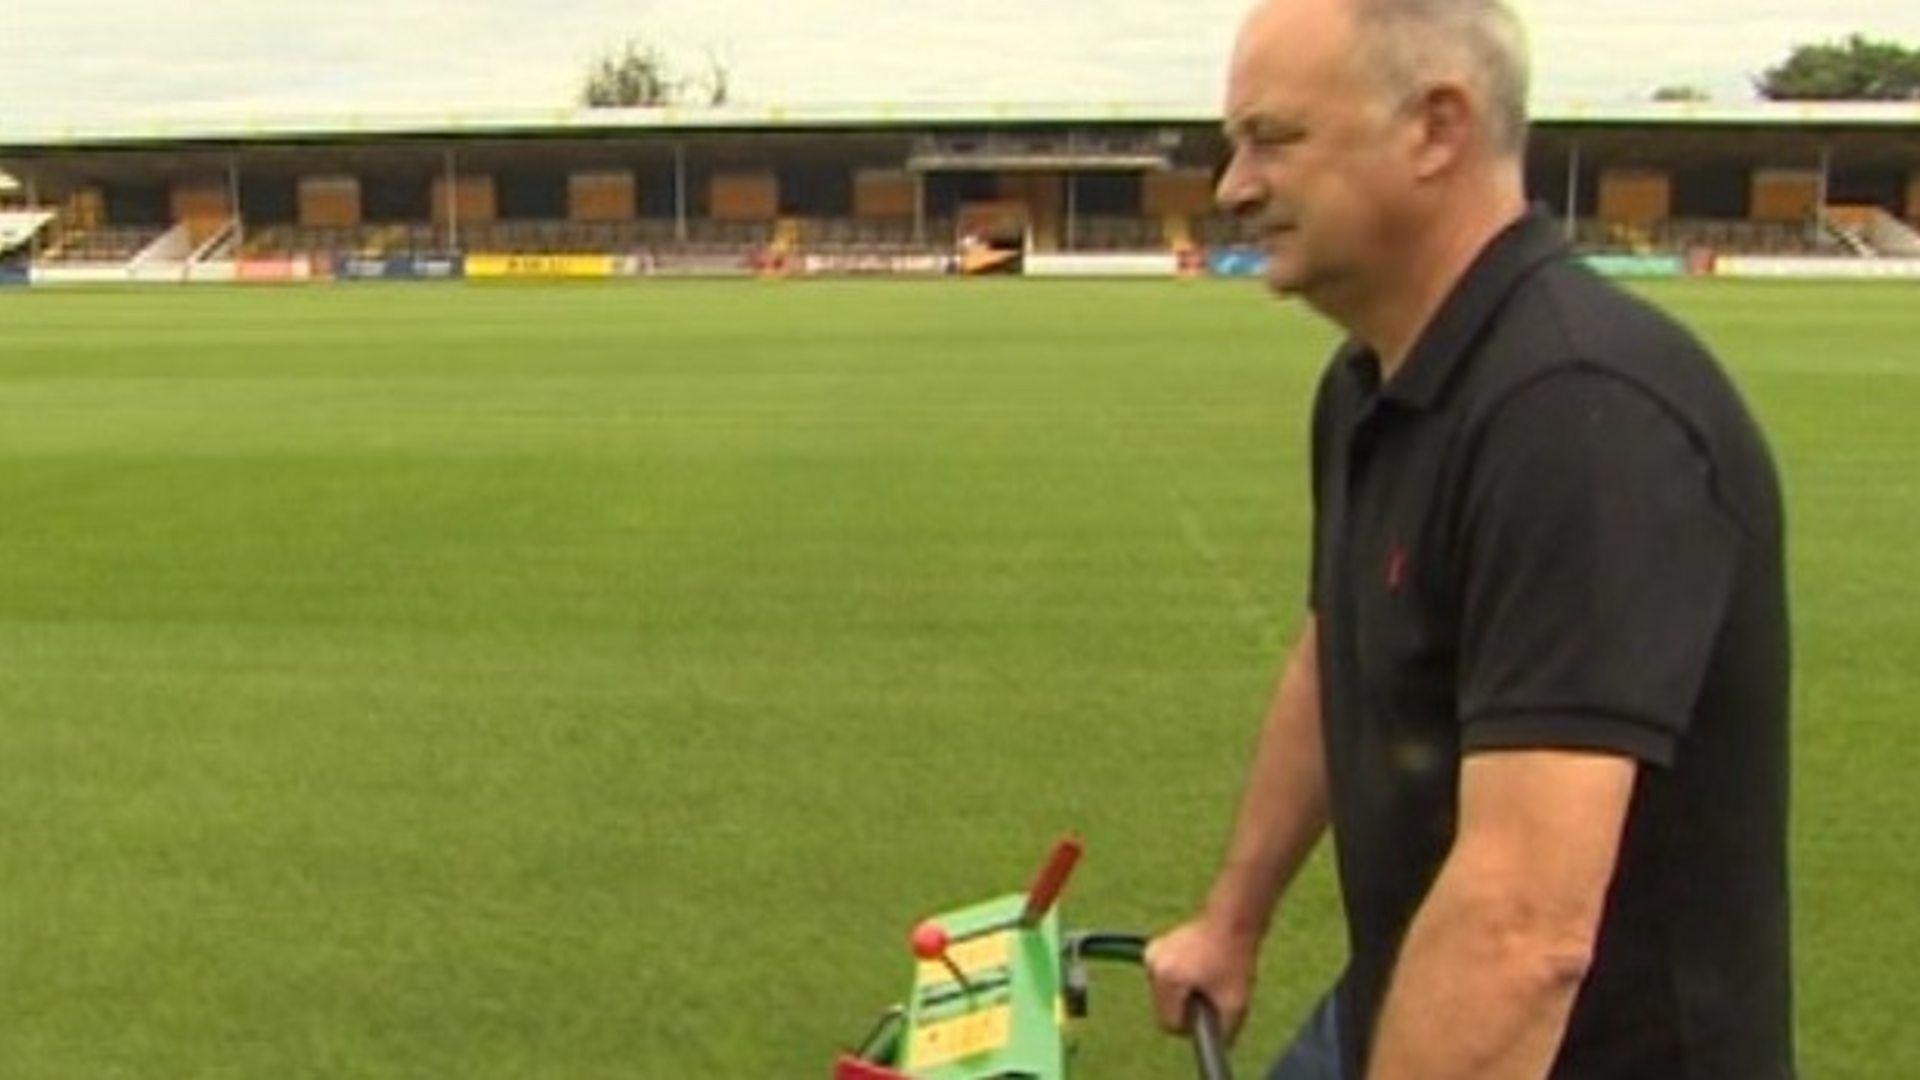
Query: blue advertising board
(1237, 262)
(397, 268)
(1638, 266)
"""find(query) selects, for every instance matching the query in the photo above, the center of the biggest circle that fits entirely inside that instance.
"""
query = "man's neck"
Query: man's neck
(1391, 318)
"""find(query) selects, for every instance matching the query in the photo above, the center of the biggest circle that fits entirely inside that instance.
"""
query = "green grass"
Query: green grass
(597, 681)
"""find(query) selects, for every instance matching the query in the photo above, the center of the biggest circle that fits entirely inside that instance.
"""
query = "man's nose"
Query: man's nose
(1237, 193)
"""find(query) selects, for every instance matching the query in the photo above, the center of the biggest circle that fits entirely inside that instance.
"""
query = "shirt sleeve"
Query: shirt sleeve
(1595, 571)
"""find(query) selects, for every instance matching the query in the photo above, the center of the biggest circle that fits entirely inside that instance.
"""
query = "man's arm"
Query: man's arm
(1283, 812)
(1283, 809)
(1495, 957)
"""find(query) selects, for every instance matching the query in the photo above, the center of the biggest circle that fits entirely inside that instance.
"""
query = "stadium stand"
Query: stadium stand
(325, 240)
(1119, 234)
(1872, 231)
(878, 235)
(581, 237)
(18, 227)
(105, 244)
(1217, 230)
(1683, 234)
(758, 185)
(704, 236)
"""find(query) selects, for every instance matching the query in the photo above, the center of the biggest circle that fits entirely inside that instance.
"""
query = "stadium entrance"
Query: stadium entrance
(994, 237)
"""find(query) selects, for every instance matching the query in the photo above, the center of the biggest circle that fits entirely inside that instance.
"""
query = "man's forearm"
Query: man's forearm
(1474, 994)
(1283, 811)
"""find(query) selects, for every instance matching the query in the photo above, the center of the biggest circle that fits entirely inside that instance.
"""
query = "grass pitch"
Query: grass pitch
(597, 681)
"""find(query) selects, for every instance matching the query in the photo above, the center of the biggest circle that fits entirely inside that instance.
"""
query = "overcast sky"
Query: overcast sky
(88, 61)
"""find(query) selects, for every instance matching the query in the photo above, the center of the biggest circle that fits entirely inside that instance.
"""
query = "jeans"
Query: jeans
(1314, 1053)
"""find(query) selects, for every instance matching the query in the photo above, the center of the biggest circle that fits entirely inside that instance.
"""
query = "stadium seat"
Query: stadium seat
(1681, 235)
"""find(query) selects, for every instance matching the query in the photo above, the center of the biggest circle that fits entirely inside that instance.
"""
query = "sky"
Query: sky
(95, 61)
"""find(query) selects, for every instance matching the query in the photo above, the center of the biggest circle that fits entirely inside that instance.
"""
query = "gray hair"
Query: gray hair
(1406, 44)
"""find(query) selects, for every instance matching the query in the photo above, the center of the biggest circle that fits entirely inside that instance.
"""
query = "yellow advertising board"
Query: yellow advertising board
(542, 266)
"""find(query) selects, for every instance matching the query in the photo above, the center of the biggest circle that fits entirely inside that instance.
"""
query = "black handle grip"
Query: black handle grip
(1209, 1049)
(1203, 1020)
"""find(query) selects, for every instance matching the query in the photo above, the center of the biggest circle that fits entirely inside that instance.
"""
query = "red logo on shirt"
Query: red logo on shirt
(1396, 568)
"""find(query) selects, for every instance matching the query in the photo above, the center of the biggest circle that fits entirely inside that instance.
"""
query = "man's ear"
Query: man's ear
(1445, 127)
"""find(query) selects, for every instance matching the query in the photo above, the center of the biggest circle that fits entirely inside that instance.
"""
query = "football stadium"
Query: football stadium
(1660, 190)
(560, 595)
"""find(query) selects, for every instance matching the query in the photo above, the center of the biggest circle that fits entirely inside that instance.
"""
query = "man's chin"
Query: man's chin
(1283, 281)
(1284, 276)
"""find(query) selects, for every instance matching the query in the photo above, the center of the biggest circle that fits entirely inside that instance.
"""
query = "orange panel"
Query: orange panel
(329, 201)
(1784, 194)
(1045, 196)
(601, 196)
(201, 200)
(1180, 193)
(744, 197)
(1858, 217)
(884, 194)
(86, 209)
(475, 197)
(1002, 221)
(1635, 196)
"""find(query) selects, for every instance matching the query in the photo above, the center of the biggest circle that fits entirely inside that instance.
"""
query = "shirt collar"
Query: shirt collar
(1508, 258)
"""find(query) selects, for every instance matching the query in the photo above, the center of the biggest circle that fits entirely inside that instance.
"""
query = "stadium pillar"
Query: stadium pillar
(1573, 193)
(1073, 211)
(233, 203)
(453, 203)
(33, 238)
(919, 209)
(680, 192)
(1826, 186)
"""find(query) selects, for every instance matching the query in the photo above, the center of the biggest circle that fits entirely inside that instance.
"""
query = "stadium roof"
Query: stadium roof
(578, 122)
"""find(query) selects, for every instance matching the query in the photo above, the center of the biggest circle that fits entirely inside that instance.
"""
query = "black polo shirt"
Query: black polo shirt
(1558, 527)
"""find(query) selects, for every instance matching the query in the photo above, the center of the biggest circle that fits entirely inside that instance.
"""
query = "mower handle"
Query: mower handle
(1209, 1049)
(1203, 1018)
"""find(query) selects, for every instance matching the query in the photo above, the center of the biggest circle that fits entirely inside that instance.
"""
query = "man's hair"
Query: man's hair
(1407, 43)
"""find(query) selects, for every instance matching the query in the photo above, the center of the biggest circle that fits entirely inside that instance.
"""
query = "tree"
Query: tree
(641, 76)
(1681, 93)
(1857, 69)
(717, 84)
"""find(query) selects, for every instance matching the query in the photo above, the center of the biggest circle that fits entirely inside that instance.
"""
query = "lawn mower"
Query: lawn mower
(997, 992)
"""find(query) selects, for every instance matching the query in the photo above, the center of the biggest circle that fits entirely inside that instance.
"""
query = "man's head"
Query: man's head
(1359, 125)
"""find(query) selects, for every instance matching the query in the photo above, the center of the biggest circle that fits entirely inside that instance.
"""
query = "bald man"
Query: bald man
(1540, 696)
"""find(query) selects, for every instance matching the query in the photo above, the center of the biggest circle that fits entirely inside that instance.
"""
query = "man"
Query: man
(1540, 696)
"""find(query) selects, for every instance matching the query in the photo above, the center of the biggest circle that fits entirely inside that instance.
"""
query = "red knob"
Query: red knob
(929, 941)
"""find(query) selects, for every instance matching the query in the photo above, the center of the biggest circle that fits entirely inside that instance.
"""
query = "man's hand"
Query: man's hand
(1204, 956)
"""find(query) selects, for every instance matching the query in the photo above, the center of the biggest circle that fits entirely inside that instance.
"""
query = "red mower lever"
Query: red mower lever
(1053, 876)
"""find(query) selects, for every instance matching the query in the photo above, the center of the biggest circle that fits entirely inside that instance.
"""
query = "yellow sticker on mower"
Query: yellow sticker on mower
(974, 955)
(946, 1041)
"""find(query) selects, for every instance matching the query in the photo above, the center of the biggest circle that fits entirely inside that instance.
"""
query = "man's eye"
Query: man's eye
(1272, 140)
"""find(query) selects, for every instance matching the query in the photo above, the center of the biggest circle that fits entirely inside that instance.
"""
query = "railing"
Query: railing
(1223, 231)
(875, 234)
(1119, 234)
(1685, 234)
